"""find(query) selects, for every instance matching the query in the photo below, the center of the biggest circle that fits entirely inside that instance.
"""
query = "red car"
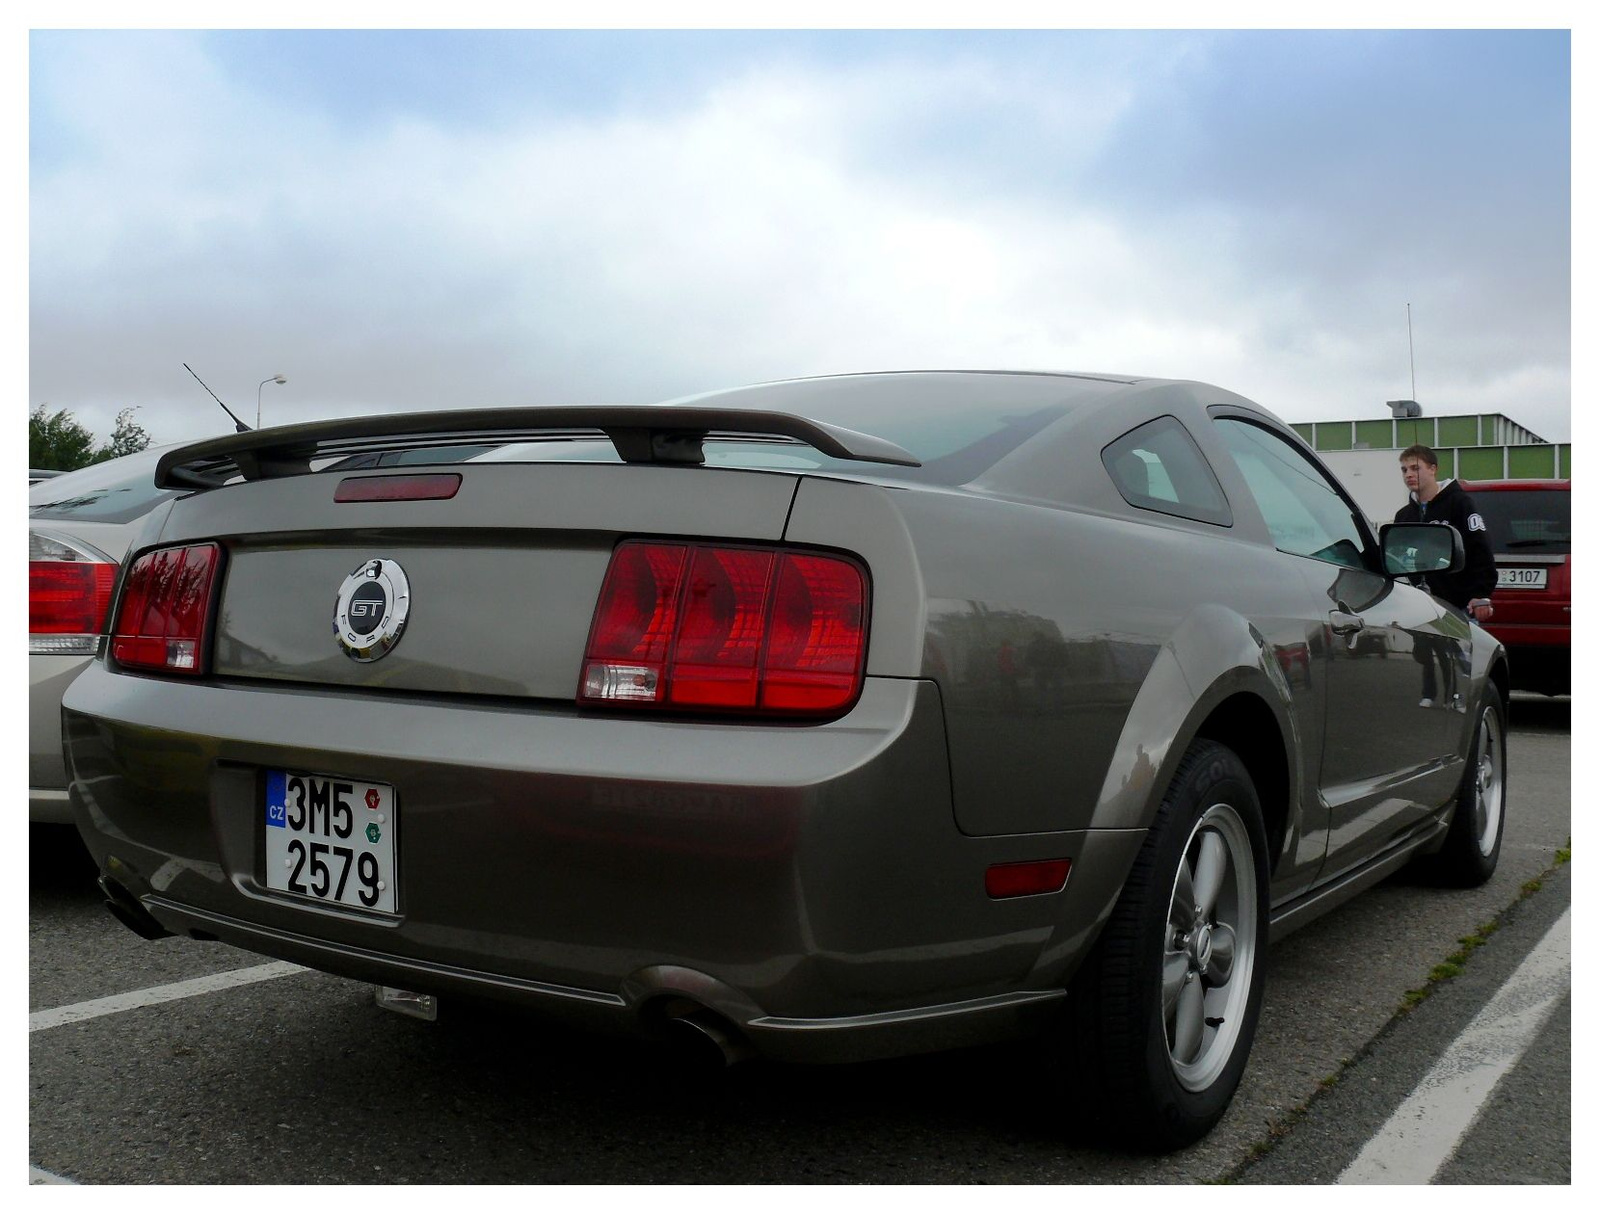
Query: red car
(1530, 523)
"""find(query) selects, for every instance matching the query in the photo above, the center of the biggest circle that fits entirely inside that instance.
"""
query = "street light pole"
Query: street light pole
(271, 379)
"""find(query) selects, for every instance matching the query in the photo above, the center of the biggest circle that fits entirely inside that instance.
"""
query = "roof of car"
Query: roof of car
(1035, 383)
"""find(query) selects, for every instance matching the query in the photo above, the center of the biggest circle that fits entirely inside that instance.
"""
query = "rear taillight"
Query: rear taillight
(698, 626)
(165, 607)
(69, 589)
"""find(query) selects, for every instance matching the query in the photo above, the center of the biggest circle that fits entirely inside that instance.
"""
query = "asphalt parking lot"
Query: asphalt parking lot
(300, 1078)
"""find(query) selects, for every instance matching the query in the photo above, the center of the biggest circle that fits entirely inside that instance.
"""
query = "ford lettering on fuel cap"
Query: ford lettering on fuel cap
(370, 613)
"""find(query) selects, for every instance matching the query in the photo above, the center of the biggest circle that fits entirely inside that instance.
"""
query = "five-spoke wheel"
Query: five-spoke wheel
(1489, 782)
(1211, 935)
(1164, 1009)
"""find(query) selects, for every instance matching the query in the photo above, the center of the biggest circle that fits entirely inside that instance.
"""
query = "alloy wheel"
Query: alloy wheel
(1489, 781)
(1211, 946)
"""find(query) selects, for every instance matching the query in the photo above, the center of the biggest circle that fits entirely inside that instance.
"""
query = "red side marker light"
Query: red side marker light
(1029, 877)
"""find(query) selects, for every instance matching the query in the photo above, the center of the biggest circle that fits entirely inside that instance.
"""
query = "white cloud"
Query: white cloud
(783, 223)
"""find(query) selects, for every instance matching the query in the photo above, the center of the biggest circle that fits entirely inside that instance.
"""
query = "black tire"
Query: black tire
(1471, 850)
(1159, 1073)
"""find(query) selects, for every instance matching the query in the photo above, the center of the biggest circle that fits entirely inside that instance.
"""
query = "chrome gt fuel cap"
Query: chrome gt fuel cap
(370, 613)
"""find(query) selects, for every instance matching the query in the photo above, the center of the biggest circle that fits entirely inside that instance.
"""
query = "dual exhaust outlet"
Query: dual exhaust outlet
(696, 1030)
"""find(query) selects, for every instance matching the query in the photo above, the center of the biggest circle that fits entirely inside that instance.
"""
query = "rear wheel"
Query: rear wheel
(1164, 1010)
(1471, 849)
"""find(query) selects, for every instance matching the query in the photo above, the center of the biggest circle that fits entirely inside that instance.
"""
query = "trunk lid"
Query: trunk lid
(503, 577)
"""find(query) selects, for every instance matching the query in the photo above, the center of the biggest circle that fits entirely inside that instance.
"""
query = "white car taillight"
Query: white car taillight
(69, 589)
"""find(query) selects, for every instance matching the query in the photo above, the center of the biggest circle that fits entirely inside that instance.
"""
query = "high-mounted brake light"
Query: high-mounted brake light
(69, 590)
(699, 626)
(165, 607)
(409, 487)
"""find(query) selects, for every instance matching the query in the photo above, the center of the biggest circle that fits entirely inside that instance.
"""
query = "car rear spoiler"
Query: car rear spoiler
(642, 434)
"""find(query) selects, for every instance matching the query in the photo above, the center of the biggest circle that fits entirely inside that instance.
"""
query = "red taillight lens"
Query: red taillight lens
(69, 590)
(166, 604)
(634, 623)
(719, 641)
(68, 596)
(701, 626)
(818, 635)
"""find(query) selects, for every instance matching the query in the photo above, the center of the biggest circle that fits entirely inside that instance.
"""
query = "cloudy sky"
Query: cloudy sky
(408, 220)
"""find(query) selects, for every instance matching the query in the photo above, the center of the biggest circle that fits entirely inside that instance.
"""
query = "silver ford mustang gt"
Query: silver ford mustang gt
(838, 718)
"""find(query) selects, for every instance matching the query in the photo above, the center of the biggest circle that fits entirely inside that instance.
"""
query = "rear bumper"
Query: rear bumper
(639, 1006)
(806, 883)
(49, 805)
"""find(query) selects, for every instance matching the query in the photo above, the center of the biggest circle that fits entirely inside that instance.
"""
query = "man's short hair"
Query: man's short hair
(1426, 454)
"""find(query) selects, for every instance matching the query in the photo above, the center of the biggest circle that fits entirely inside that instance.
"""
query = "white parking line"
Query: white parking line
(1424, 1131)
(40, 1176)
(111, 1004)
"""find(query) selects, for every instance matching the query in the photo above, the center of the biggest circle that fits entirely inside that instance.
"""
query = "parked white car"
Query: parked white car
(79, 526)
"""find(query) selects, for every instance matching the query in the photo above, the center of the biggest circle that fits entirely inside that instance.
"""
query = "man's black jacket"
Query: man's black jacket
(1454, 506)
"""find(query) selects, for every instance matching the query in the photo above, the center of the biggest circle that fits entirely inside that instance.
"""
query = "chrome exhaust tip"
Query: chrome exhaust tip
(701, 1031)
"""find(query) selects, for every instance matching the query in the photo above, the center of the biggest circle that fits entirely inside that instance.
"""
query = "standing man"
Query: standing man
(1468, 591)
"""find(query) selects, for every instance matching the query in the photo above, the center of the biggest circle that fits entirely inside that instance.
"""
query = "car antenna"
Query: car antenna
(241, 427)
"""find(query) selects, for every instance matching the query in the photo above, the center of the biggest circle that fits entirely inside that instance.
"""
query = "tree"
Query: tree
(127, 436)
(59, 441)
(56, 440)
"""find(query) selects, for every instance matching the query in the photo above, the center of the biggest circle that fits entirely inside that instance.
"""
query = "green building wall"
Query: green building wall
(1473, 446)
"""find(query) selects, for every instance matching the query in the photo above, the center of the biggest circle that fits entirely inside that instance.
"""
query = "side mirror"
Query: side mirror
(1410, 549)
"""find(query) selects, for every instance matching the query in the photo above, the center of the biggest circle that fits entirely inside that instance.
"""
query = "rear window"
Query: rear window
(117, 491)
(1527, 520)
(955, 443)
(409, 457)
(959, 424)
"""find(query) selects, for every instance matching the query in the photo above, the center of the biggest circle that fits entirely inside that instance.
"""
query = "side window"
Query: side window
(1305, 514)
(1160, 467)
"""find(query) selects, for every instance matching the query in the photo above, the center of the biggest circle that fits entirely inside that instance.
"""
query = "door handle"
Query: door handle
(1345, 624)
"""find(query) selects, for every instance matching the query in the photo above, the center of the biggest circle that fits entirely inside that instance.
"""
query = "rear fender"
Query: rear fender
(1491, 667)
(1214, 654)
(1219, 653)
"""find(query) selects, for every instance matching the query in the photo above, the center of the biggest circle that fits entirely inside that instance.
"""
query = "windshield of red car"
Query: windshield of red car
(1527, 520)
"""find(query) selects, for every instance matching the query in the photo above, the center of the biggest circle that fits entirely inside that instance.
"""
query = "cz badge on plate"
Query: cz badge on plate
(331, 839)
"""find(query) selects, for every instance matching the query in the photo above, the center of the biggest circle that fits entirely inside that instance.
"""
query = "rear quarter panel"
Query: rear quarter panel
(1079, 643)
(1047, 628)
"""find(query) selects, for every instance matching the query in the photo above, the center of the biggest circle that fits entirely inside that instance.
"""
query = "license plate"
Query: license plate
(1522, 579)
(331, 839)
